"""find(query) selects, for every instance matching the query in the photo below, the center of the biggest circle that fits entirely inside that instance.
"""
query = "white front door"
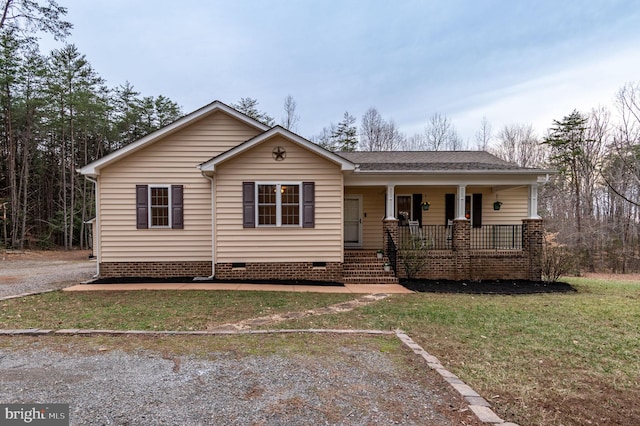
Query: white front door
(353, 221)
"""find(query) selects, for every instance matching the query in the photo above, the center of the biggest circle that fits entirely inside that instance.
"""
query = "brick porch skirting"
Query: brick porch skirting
(329, 271)
(155, 269)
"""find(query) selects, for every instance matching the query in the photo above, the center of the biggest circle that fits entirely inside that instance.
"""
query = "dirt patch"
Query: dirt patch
(487, 286)
(277, 318)
(66, 255)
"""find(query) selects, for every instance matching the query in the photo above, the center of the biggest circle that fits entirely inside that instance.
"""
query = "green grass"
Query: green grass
(151, 310)
(545, 359)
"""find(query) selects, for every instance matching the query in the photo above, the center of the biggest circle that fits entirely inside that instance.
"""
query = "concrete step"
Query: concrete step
(370, 280)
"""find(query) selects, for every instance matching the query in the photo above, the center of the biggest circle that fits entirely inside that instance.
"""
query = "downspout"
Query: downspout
(96, 237)
(213, 263)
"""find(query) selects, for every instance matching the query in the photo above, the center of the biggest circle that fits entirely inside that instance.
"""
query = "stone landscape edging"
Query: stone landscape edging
(477, 404)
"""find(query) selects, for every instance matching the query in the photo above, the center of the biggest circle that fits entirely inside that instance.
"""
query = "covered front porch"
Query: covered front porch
(475, 231)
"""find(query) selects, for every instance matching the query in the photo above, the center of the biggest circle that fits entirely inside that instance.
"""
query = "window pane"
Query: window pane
(159, 206)
(159, 216)
(290, 204)
(290, 215)
(267, 205)
(267, 194)
(267, 215)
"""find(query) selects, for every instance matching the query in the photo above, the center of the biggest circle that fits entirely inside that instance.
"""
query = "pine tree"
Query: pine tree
(249, 106)
(345, 136)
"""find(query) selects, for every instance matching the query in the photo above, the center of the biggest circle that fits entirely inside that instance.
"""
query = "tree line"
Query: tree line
(57, 115)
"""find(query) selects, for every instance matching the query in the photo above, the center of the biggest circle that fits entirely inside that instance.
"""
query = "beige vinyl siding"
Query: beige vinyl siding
(172, 160)
(515, 207)
(278, 244)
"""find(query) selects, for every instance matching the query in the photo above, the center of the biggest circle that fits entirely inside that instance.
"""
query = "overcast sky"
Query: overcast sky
(512, 61)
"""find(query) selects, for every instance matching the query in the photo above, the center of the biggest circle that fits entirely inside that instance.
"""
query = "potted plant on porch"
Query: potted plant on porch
(380, 253)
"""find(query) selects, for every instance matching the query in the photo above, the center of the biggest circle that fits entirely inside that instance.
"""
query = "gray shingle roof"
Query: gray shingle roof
(428, 161)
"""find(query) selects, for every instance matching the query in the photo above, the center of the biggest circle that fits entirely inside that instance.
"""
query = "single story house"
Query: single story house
(219, 194)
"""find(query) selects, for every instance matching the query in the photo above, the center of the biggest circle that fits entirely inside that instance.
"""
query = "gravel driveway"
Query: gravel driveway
(351, 387)
(27, 273)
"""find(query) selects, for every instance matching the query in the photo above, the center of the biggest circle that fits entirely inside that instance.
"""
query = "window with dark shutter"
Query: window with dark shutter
(476, 217)
(449, 208)
(248, 205)
(417, 208)
(142, 209)
(308, 206)
(177, 207)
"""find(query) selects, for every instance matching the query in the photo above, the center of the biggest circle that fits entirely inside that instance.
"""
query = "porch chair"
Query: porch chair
(417, 237)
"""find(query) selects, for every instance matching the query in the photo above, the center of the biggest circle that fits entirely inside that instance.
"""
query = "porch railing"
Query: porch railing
(487, 237)
(433, 237)
(497, 237)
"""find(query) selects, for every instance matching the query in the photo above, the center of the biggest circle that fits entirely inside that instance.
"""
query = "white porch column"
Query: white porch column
(533, 201)
(460, 201)
(391, 202)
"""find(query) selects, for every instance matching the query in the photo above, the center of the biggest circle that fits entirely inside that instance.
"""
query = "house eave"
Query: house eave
(210, 165)
(530, 172)
(93, 169)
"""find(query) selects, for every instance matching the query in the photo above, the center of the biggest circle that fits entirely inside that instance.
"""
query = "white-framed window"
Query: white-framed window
(278, 204)
(159, 206)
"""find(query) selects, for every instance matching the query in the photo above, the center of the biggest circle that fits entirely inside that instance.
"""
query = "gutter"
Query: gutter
(213, 263)
(96, 238)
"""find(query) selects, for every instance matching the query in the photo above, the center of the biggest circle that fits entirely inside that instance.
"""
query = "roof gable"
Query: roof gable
(93, 169)
(209, 166)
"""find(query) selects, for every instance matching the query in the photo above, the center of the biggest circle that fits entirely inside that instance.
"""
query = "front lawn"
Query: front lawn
(152, 310)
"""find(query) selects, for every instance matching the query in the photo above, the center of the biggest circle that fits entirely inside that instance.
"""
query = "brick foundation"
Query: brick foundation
(280, 271)
(154, 269)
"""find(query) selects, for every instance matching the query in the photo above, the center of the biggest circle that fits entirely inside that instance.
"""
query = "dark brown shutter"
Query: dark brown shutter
(417, 207)
(248, 204)
(477, 211)
(449, 207)
(142, 209)
(308, 204)
(177, 207)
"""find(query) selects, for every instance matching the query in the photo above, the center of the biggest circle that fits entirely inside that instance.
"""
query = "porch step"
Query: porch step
(370, 280)
(364, 267)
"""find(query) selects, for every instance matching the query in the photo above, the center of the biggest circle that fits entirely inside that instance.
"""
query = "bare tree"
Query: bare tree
(378, 134)
(518, 143)
(624, 146)
(416, 142)
(29, 16)
(290, 119)
(483, 135)
(441, 134)
(324, 138)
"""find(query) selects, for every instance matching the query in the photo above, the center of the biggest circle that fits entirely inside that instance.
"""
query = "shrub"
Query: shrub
(413, 256)
(557, 260)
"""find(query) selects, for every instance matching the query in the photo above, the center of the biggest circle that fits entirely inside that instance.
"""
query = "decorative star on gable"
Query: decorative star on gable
(279, 153)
